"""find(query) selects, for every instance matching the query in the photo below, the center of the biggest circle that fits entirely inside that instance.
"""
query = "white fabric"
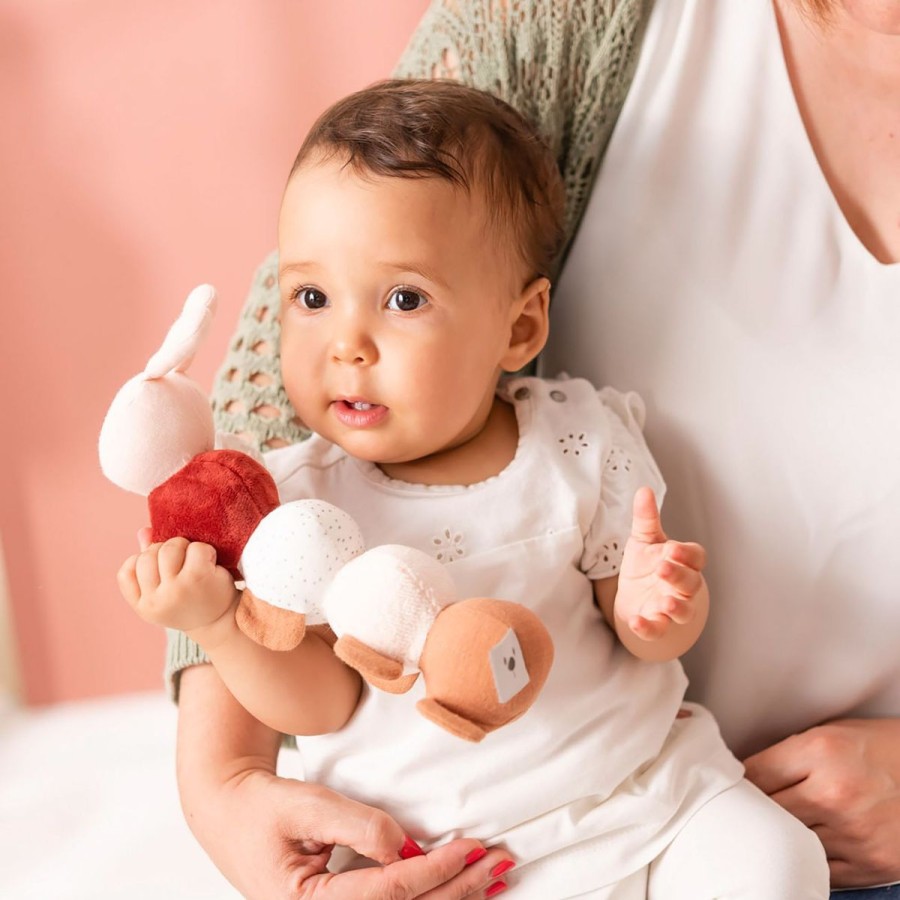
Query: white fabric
(89, 806)
(715, 274)
(596, 778)
(719, 854)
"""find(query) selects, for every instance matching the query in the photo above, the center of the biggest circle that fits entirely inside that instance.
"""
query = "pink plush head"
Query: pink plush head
(152, 429)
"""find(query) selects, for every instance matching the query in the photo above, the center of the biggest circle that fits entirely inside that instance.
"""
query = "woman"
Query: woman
(737, 263)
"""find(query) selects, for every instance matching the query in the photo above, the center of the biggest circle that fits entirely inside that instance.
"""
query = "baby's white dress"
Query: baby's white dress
(596, 778)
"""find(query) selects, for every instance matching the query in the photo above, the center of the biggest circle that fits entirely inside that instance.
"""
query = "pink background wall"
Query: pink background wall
(143, 147)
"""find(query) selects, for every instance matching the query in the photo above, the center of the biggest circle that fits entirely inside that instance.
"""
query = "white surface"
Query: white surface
(89, 807)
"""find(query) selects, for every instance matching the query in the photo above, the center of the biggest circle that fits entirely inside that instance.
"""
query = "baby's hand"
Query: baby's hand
(659, 579)
(178, 585)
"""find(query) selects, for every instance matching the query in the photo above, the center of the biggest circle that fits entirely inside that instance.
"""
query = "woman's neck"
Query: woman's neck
(873, 16)
(845, 72)
(862, 38)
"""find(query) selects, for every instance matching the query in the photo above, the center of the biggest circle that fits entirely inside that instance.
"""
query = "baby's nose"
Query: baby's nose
(354, 346)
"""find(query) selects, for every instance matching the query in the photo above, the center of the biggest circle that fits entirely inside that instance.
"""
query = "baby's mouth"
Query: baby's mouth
(357, 404)
(357, 413)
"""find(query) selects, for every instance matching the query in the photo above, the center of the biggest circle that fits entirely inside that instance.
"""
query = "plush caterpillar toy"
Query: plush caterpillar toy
(393, 609)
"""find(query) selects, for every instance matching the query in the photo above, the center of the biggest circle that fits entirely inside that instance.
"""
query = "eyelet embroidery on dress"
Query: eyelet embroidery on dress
(449, 546)
(618, 461)
(573, 443)
(611, 551)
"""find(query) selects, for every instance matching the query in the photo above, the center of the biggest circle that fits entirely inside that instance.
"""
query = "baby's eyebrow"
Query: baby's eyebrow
(295, 267)
(417, 269)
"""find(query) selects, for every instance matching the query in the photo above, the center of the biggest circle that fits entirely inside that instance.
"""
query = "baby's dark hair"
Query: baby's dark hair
(443, 129)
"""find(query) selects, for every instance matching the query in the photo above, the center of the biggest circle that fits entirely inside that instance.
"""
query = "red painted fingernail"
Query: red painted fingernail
(498, 887)
(475, 855)
(500, 868)
(410, 849)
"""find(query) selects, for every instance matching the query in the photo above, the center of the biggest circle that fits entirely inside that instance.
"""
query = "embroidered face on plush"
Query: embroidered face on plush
(400, 310)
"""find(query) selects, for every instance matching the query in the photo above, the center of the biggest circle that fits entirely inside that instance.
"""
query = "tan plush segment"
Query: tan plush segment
(273, 628)
(456, 660)
(379, 670)
(450, 721)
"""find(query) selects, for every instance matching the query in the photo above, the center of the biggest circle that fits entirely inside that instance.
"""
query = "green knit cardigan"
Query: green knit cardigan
(565, 64)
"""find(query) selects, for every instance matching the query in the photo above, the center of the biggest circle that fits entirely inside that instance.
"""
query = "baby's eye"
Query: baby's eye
(310, 298)
(406, 300)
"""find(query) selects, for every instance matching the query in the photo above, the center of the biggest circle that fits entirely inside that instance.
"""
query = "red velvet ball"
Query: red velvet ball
(218, 498)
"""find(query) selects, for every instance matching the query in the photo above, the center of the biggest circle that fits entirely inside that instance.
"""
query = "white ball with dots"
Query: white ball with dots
(295, 552)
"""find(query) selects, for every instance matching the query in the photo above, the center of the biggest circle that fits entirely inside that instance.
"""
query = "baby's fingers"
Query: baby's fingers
(145, 537)
(649, 628)
(645, 523)
(126, 578)
(200, 558)
(687, 554)
(680, 580)
(147, 569)
(677, 609)
(172, 557)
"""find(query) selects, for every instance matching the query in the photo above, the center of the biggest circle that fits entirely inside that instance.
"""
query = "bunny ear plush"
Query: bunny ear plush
(185, 335)
(160, 419)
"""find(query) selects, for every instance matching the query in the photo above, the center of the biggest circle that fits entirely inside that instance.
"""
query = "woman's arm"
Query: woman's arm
(272, 837)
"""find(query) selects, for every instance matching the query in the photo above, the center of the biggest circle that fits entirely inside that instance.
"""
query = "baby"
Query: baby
(417, 231)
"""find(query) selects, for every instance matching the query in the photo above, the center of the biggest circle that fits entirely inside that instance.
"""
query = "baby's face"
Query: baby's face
(397, 311)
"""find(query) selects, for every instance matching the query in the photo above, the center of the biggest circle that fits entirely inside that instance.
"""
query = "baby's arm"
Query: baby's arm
(659, 603)
(307, 690)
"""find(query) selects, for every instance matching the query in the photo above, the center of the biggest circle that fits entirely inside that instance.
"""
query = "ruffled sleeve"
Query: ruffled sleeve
(626, 466)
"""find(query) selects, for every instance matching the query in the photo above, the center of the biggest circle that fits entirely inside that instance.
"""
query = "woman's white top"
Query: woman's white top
(715, 274)
(599, 768)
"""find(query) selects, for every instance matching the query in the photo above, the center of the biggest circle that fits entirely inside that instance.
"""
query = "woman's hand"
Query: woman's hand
(842, 779)
(282, 833)
(272, 837)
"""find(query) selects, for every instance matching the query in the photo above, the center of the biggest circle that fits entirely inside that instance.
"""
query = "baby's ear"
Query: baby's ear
(530, 325)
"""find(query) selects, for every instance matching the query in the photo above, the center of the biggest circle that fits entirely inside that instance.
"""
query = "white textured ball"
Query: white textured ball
(295, 552)
(388, 598)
